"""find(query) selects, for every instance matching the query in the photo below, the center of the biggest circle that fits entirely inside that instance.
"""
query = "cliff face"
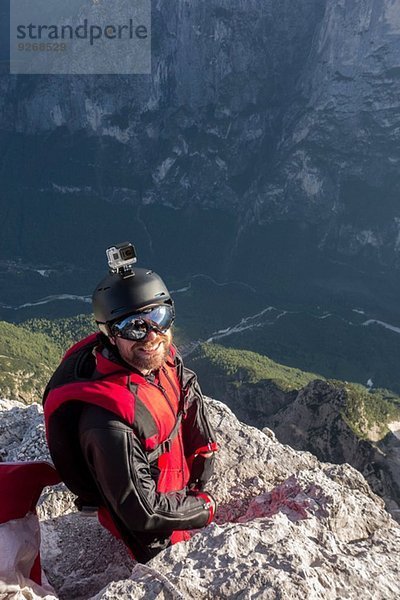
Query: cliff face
(340, 139)
(315, 421)
(316, 418)
(287, 526)
(267, 111)
(253, 403)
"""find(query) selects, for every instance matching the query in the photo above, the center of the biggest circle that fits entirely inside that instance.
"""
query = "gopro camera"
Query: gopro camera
(121, 257)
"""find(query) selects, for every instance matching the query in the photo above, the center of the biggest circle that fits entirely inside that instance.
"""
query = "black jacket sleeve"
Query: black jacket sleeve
(122, 473)
(198, 436)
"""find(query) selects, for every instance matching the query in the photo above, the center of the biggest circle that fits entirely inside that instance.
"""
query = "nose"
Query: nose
(151, 336)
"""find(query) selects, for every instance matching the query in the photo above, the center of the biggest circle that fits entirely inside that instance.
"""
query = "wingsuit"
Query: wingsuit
(131, 446)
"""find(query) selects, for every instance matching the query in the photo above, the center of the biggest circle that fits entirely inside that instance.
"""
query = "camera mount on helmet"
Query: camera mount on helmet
(121, 257)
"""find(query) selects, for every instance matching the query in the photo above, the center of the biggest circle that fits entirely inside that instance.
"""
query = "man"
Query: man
(125, 420)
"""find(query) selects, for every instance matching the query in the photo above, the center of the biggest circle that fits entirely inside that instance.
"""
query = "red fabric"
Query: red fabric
(113, 394)
(21, 484)
(206, 449)
(36, 571)
(213, 447)
(210, 504)
(180, 536)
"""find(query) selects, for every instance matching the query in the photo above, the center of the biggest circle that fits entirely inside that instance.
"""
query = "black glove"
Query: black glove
(201, 471)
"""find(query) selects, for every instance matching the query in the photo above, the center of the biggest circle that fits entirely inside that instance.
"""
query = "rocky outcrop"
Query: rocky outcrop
(313, 418)
(315, 421)
(252, 403)
(287, 526)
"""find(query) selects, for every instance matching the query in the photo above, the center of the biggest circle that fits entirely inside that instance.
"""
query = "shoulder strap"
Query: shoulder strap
(165, 446)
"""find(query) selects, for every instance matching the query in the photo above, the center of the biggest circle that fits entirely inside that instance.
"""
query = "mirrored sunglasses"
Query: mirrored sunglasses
(137, 326)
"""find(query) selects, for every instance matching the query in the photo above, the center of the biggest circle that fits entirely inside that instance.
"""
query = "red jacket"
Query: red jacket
(103, 423)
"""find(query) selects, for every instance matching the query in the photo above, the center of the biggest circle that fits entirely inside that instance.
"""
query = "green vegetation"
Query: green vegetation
(366, 412)
(369, 412)
(30, 352)
(249, 367)
(26, 362)
(63, 332)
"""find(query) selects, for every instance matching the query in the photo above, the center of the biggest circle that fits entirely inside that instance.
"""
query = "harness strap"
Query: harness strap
(165, 446)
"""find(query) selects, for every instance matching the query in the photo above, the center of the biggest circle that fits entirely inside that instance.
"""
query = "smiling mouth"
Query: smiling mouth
(150, 350)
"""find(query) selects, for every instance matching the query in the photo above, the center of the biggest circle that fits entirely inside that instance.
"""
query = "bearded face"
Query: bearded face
(145, 355)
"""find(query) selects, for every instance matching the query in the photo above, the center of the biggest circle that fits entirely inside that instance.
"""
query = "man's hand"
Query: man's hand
(201, 470)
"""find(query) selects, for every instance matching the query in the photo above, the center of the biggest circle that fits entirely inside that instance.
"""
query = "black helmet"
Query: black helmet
(121, 294)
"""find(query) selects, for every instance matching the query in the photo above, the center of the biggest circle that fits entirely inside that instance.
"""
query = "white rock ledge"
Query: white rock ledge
(287, 527)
